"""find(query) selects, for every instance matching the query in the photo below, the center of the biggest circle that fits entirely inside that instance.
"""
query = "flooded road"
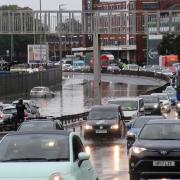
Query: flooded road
(77, 94)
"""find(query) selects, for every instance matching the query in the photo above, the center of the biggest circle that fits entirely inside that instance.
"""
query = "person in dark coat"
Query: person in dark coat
(20, 107)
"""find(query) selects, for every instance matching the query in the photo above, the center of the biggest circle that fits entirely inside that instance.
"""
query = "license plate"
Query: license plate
(101, 131)
(163, 163)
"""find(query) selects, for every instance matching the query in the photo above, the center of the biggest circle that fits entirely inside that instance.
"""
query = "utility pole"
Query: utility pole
(97, 69)
(12, 47)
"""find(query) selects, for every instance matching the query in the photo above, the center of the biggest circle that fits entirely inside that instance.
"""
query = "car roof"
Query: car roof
(154, 117)
(9, 107)
(58, 132)
(159, 94)
(105, 106)
(164, 121)
(126, 98)
(40, 120)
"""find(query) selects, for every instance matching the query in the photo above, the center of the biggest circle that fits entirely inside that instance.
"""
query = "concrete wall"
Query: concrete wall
(22, 83)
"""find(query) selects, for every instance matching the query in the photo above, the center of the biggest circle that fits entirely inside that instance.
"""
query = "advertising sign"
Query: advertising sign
(152, 47)
(38, 54)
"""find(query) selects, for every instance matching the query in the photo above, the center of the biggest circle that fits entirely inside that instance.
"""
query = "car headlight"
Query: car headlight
(155, 106)
(56, 176)
(178, 105)
(88, 127)
(115, 126)
(138, 150)
(130, 133)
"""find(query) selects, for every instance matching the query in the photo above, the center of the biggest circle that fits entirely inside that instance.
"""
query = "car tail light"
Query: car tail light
(1, 115)
(25, 114)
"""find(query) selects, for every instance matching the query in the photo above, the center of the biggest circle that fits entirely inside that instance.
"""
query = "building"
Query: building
(133, 48)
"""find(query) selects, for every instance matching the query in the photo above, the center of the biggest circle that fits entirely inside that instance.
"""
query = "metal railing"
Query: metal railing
(85, 22)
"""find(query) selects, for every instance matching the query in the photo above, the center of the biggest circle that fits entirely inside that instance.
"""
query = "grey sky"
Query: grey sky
(46, 4)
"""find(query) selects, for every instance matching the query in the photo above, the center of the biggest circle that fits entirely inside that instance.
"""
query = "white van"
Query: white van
(131, 106)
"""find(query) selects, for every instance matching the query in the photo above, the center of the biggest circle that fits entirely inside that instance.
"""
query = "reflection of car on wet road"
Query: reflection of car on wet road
(41, 92)
(50, 155)
(155, 153)
(165, 101)
(104, 120)
(131, 106)
(41, 124)
(136, 127)
(151, 105)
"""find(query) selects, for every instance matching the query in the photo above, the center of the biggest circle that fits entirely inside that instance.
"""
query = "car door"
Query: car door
(85, 170)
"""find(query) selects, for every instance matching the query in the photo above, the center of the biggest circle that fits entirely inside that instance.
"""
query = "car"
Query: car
(167, 72)
(136, 127)
(131, 106)
(66, 67)
(171, 92)
(42, 92)
(30, 106)
(152, 105)
(41, 124)
(165, 101)
(156, 151)
(48, 155)
(104, 121)
(113, 68)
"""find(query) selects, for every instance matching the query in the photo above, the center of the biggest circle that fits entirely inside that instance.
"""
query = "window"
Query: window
(77, 147)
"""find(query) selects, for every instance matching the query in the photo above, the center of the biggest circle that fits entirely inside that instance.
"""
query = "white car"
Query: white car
(49, 155)
(164, 100)
(42, 92)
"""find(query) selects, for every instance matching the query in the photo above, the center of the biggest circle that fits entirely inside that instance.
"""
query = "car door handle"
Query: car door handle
(89, 169)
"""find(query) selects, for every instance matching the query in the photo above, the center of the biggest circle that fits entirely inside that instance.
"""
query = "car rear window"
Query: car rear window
(35, 147)
(36, 126)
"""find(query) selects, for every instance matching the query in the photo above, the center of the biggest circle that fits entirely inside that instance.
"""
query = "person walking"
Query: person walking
(20, 107)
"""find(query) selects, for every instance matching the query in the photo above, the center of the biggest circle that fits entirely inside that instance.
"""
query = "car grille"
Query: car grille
(99, 127)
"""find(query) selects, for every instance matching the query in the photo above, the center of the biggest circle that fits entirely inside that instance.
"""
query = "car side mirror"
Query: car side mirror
(141, 109)
(131, 137)
(82, 156)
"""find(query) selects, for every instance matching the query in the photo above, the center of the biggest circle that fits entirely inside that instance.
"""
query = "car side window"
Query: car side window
(141, 103)
(59, 126)
(77, 147)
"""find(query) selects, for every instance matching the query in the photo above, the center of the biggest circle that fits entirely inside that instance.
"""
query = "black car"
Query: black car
(152, 105)
(104, 121)
(136, 127)
(41, 124)
(156, 151)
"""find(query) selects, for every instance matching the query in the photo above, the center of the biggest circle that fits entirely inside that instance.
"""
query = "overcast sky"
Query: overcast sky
(46, 4)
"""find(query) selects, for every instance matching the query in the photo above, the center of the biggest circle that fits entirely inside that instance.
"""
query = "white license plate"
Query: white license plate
(101, 131)
(163, 163)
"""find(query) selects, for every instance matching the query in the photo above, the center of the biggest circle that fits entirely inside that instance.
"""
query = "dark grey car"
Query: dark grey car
(104, 121)
(152, 105)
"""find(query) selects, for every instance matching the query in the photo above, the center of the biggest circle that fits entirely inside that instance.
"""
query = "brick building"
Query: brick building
(130, 47)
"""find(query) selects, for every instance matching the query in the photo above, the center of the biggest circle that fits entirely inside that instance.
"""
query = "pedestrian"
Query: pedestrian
(20, 107)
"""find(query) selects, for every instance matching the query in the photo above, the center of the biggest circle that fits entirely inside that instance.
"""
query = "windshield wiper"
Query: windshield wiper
(25, 159)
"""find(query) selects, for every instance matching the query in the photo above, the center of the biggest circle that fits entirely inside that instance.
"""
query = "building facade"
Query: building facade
(132, 48)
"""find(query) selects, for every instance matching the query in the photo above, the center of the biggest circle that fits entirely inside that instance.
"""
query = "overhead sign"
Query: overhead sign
(38, 54)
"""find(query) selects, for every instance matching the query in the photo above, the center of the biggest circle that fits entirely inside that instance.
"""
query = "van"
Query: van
(131, 106)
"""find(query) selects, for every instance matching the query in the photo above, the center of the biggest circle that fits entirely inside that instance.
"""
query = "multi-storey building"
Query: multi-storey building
(130, 47)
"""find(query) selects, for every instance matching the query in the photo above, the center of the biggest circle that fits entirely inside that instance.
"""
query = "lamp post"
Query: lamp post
(117, 44)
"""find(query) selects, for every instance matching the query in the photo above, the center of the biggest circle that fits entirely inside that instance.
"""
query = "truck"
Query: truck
(105, 61)
(167, 61)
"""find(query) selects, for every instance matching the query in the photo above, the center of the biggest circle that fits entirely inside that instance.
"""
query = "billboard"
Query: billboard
(38, 54)
(152, 49)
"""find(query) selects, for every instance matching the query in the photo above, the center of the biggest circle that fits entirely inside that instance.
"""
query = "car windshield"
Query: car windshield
(150, 99)
(126, 105)
(139, 122)
(105, 114)
(10, 111)
(162, 97)
(160, 132)
(35, 147)
(38, 89)
(29, 126)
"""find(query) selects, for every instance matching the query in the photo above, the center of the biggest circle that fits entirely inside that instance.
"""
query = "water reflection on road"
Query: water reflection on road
(77, 95)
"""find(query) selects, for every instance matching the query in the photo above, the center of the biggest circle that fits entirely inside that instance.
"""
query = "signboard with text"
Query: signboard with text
(38, 54)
